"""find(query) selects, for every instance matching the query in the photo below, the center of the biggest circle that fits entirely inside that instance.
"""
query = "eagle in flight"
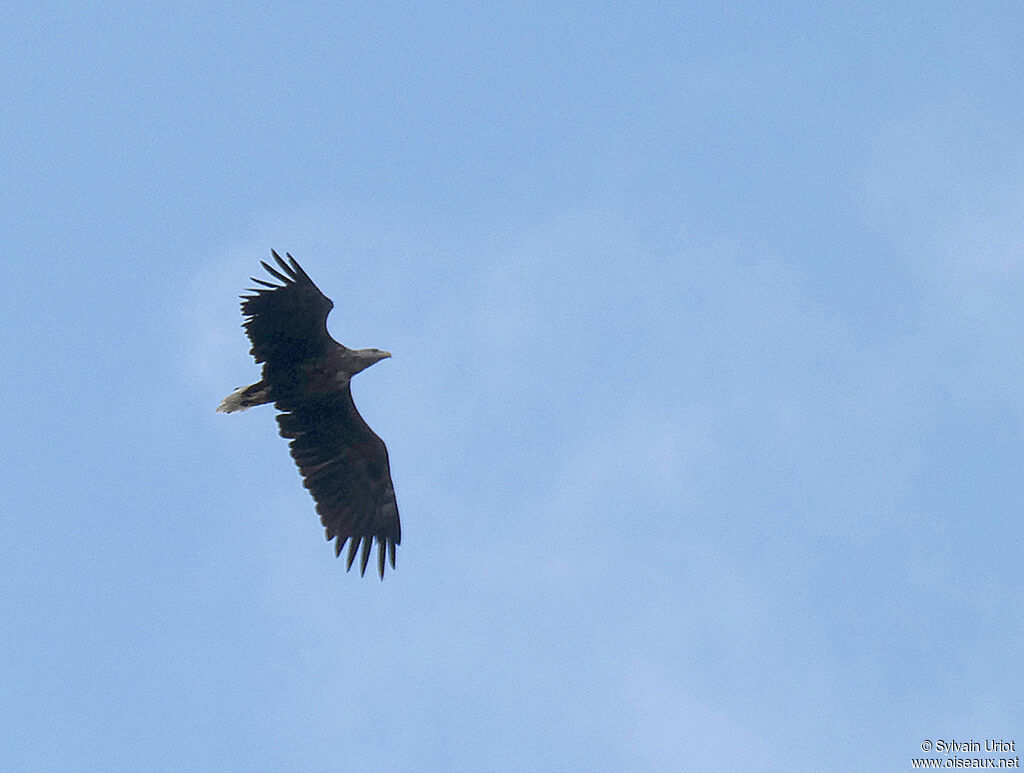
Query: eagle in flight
(306, 376)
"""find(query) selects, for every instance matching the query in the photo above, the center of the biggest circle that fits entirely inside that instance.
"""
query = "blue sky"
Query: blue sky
(704, 412)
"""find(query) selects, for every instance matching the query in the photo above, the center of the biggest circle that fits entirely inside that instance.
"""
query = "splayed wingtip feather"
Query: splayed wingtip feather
(284, 266)
(274, 272)
(364, 559)
(352, 548)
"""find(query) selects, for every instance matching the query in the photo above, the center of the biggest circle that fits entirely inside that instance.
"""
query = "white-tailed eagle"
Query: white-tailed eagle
(306, 375)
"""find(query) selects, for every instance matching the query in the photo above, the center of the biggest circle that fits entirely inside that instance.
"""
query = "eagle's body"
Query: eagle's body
(306, 374)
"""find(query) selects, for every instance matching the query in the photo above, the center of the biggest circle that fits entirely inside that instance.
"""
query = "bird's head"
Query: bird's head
(370, 356)
(348, 362)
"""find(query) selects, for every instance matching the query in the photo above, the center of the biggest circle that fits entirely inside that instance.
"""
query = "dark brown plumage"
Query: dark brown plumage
(306, 375)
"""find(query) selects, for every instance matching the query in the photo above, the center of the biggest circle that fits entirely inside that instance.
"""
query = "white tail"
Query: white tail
(244, 397)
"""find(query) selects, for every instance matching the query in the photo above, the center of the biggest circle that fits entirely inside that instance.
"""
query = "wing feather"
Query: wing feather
(365, 558)
(345, 467)
(274, 272)
(287, 269)
(287, 322)
(353, 548)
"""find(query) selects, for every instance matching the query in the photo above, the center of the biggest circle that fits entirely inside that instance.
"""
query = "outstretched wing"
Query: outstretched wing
(287, 322)
(345, 467)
